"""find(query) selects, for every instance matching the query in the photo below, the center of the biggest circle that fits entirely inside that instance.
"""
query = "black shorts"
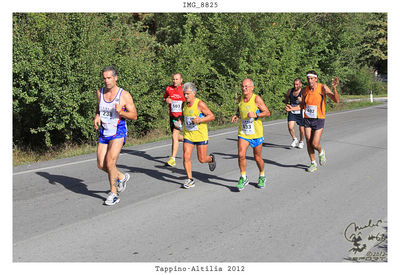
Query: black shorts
(296, 117)
(314, 123)
(171, 122)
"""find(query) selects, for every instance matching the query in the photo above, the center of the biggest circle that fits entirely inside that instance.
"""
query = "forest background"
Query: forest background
(58, 57)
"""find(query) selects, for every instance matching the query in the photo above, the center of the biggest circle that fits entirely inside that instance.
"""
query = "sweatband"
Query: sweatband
(313, 75)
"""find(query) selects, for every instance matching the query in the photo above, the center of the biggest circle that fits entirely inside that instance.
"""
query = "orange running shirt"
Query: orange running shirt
(314, 103)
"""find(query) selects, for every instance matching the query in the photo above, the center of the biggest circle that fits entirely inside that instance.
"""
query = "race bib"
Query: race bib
(248, 127)
(106, 116)
(311, 111)
(189, 124)
(176, 106)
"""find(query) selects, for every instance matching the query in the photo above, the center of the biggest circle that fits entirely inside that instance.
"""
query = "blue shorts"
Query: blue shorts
(106, 140)
(314, 123)
(196, 143)
(296, 117)
(254, 142)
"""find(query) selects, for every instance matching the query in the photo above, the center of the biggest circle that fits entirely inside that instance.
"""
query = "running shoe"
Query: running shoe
(301, 145)
(322, 158)
(295, 142)
(121, 184)
(212, 164)
(261, 182)
(312, 168)
(171, 162)
(111, 199)
(242, 183)
(189, 183)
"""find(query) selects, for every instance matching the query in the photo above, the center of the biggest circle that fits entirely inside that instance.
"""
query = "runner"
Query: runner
(173, 96)
(196, 115)
(314, 106)
(251, 108)
(293, 98)
(115, 105)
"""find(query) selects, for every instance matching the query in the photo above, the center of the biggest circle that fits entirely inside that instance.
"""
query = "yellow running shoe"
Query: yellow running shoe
(171, 162)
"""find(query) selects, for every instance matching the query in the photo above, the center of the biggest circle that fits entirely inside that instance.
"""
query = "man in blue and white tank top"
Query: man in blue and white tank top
(293, 98)
(114, 106)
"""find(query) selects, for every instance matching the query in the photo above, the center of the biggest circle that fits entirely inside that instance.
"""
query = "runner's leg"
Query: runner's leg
(101, 155)
(301, 130)
(114, 149)
(310, 149)
(176, 137)
(187, 153)
(291, 129)
(316, 139)
(101, 159)
(258, 158)
(202, 154)
(242, 148)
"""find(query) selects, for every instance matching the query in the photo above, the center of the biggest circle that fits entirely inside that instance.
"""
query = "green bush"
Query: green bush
(57, 59)
(360, 82)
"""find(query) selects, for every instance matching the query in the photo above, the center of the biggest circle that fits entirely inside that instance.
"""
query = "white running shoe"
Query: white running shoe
(189, 183)
(301, 145)
(112, 199)
(121, 184)
(295, 142)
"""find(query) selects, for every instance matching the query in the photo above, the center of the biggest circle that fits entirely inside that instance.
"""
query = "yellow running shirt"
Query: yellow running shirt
(249, 128)
(194, 132)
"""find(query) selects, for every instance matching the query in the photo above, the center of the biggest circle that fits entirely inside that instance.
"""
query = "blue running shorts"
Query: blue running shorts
(106, 140)
(196, 143)
(254, 142)
(296, 117)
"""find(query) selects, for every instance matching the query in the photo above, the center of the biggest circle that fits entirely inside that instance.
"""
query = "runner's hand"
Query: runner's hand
(288, 108)
(335, 82)
(97, 122)
(168, 100)
(196, 120)
(235, 118)
(251, 115)
(118, 108)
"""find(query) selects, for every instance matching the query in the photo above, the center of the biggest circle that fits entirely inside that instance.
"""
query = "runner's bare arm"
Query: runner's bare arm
(332, 95)
(287, 96)
(96, 120)
(208, 115)
(264, 112)
(236, 116)
(130, 109)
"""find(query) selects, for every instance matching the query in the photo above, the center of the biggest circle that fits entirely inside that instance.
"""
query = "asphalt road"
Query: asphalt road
(59, 216)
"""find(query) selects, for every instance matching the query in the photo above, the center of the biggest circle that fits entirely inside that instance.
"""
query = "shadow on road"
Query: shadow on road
(271, 145)
(144, 155)
(73, 184)
(154, 173)
(267, 161)
(266, 144)
(180, 178)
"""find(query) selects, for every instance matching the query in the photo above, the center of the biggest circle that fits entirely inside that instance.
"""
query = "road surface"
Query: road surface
(59, 216)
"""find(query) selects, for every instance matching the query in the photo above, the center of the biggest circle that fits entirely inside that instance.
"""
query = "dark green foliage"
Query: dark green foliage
(57, 59)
